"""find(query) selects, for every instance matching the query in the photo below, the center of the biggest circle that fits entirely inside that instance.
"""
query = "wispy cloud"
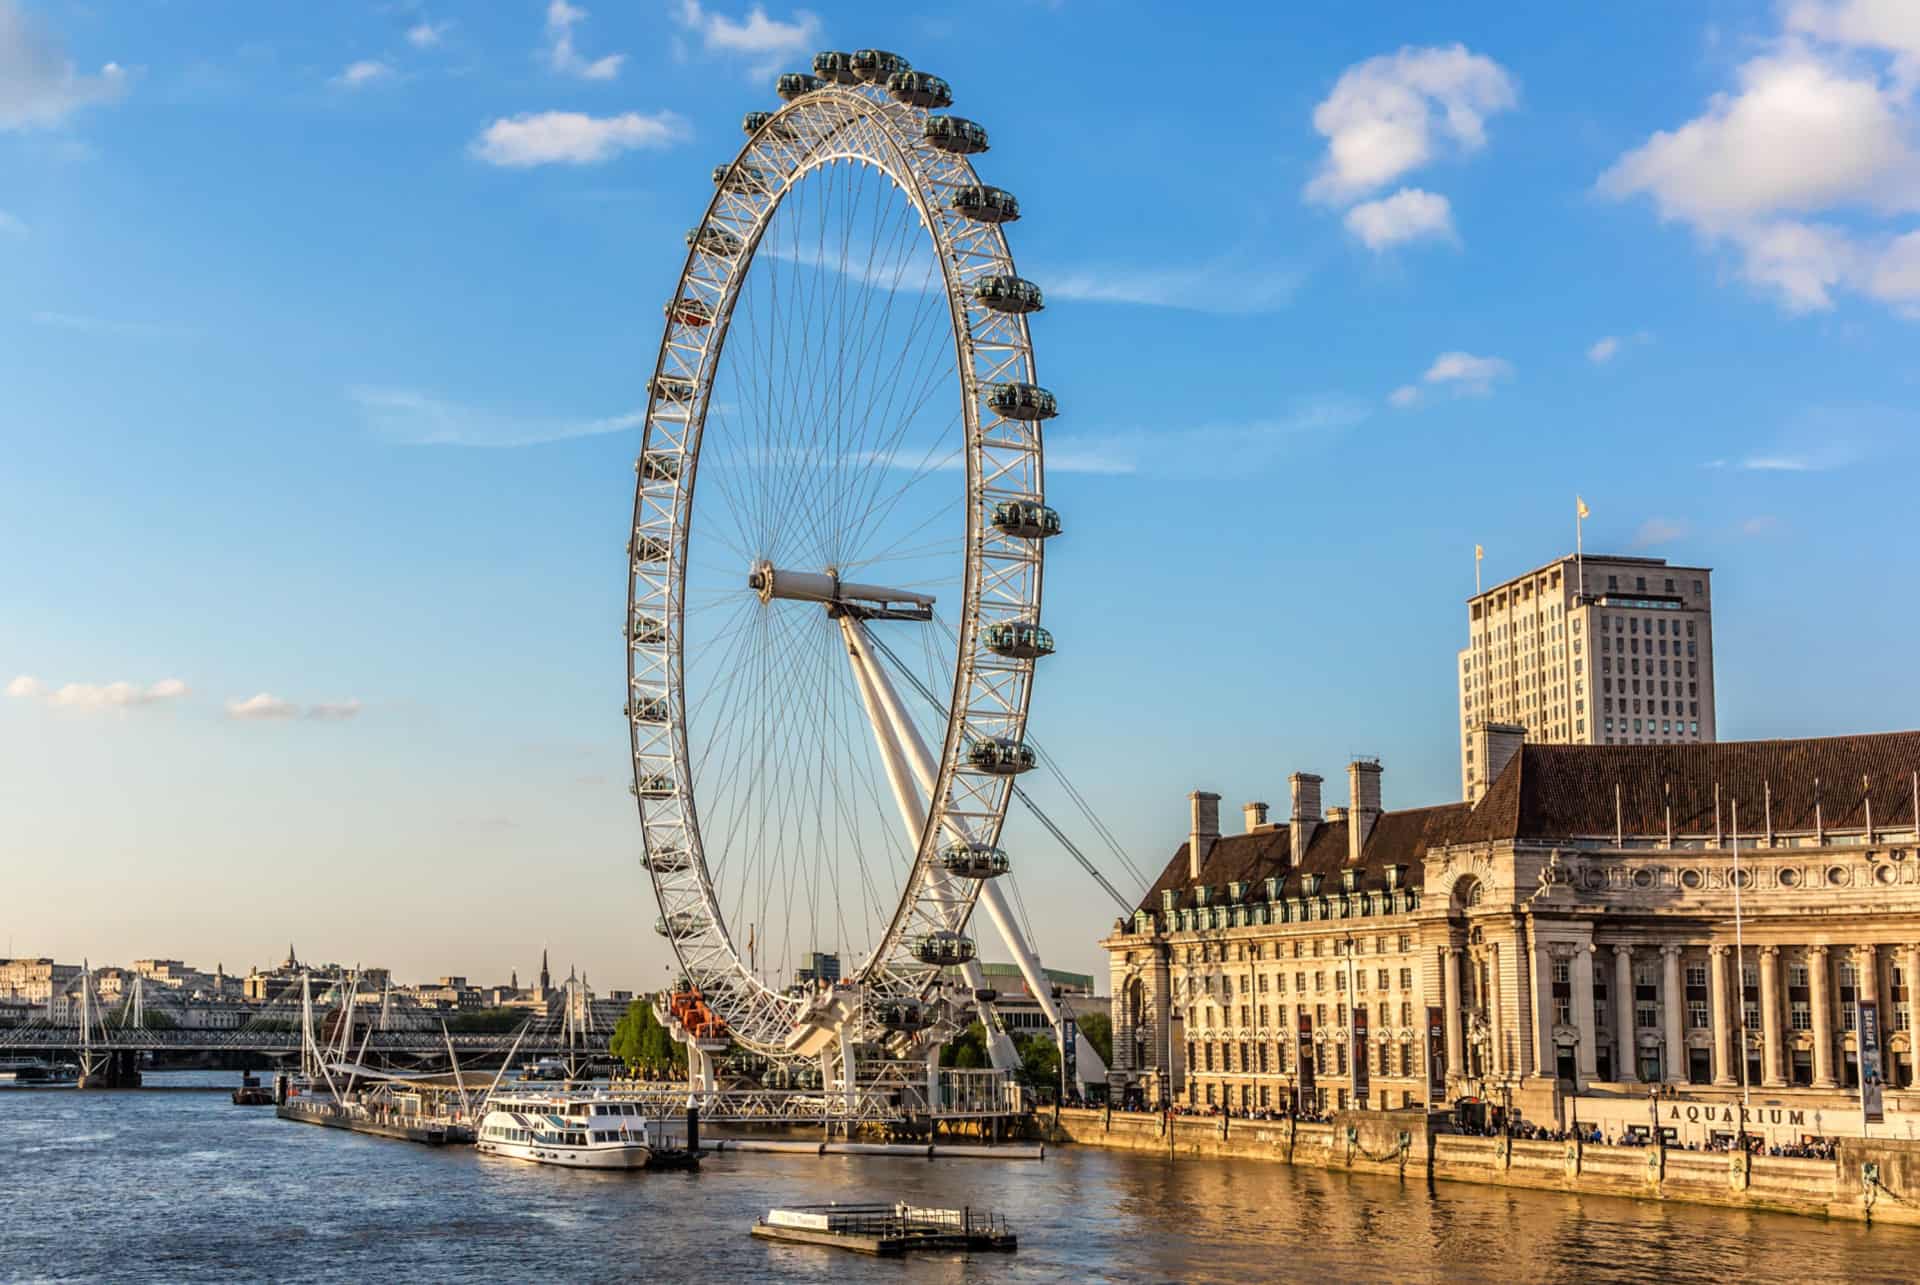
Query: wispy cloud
(764, 41)
(1603, 350)
(1230, 450)
(425, 34)
(120, 695)
(39, 84)
(359, 75)
(413, 418)
(1408, 215)
(563, 57)
(261, 707)
(1659, 531)
(573, 138)
(110, 326)
(1228, 286)
(334, 711)
(1758, 525)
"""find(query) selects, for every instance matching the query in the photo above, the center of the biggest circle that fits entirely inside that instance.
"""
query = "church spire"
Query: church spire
(546, 982)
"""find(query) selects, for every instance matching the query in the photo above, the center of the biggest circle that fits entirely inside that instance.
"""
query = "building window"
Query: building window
(1801, 1015)
(1697, 1014)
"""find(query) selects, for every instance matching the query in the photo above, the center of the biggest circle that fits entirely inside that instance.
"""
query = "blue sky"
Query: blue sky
(323, 330)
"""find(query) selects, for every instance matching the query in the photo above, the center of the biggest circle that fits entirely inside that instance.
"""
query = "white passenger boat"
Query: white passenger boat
(579, 1130)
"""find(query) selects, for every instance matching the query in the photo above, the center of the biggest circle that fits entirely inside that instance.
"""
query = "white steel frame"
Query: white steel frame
(857, 125)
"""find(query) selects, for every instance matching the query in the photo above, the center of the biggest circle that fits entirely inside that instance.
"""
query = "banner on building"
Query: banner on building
(1070, 1051)
(1436, 1053)
(1361, 1065)
(1872, 1108)
(1305, 1060)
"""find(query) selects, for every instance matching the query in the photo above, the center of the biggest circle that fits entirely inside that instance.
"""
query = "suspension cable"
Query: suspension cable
(1126, 906)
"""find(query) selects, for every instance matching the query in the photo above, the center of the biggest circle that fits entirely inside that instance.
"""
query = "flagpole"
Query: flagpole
(1579, 552)
(1740, 976)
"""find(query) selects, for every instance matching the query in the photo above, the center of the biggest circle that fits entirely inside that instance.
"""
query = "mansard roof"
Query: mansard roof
(1561, 791)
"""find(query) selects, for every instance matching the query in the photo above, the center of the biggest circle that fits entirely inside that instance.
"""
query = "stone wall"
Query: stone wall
(1872, 1179)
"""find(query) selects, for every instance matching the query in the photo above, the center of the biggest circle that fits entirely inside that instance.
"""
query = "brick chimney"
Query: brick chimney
(1494, 745)
(1205, 831)
(1305, 787)
(1256, 815)
(1363, 787)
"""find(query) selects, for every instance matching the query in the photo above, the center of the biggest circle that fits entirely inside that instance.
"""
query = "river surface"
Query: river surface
(177, 1186)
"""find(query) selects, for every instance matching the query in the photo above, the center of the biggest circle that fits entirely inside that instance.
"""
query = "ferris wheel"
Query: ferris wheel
(835, 571)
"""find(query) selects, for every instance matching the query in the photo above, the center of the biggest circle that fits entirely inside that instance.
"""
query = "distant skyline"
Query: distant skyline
(324, 332)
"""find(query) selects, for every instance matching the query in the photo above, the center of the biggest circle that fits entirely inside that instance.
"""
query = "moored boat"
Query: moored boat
(580, 1131)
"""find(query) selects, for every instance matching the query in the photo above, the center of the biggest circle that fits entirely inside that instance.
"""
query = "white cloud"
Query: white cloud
(1797, 167)
(1230, 286)
(1759, 525)
(561, 54)
(335, 711)
(1404, 396)
(764, 40)
(414, 418)
(1467, 370)
(359, 75)
(261, 706)
(1408, 215)
(1603, 350)
(98, 695)
(1388, 115)
(39, 84)
(1659, 531)
(572, 138)
(425, 35)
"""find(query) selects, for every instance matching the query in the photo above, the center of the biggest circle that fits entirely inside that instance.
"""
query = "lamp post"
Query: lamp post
(1653, 1113)
(1576, 1082)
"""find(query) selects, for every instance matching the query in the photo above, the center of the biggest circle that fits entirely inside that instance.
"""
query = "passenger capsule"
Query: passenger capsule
(667, 861)
(1018, 640)
(688, 311)
(648, 709)
(669, 388)
(712, 239)
(649, 548)
(796, 84)
(1009, 294)
(681, 923)
(658, 466)
(984, 204)
(874, 65)
(744, 178)
(646, 629)
(1000, 757)
(919, 89)
(943, 949)
(954, 134)
(1028, 519)
(654, 785)
(835, 67)
(1022, 401)
(754, 122)
(974, 861)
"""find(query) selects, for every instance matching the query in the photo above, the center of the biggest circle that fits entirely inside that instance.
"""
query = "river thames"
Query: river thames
(168, 1186)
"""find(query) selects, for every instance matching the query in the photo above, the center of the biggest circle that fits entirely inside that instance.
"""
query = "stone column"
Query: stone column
(1583, 1014)
(1912, 978)
(1673, 1007)
(1819, 987)
(1625, 1043)
(1543, 1051)
(1867, 965)
(1770, 1017)
(1496, 1028)
(1723, 1069)
(1450, 972)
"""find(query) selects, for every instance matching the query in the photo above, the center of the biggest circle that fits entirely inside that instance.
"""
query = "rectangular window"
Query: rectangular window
(1802, 1015)
(1697, 1014)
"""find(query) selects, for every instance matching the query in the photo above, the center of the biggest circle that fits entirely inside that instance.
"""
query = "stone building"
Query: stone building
(1600, 650)
(1573, 932)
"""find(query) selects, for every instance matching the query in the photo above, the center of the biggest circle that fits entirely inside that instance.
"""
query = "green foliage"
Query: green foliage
(644, 1045)
(1039, 1068)
(968, 1050)
(488, 1021)
(1098, 1028)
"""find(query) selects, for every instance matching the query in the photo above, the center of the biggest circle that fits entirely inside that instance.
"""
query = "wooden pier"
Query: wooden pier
(886, 1231)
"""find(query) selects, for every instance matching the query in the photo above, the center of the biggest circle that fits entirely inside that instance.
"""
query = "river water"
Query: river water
(174, 1186)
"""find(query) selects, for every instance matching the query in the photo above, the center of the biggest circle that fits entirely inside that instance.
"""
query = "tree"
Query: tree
(644, 1045)
(1098, 1028)
(1039, 1068)
(968, 1050)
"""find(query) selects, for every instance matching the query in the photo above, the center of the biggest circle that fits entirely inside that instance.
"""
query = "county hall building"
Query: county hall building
(1571, 930)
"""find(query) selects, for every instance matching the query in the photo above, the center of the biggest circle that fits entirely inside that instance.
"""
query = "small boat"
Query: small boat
(32, 1073)
(251, 1092)
(580, 1131)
